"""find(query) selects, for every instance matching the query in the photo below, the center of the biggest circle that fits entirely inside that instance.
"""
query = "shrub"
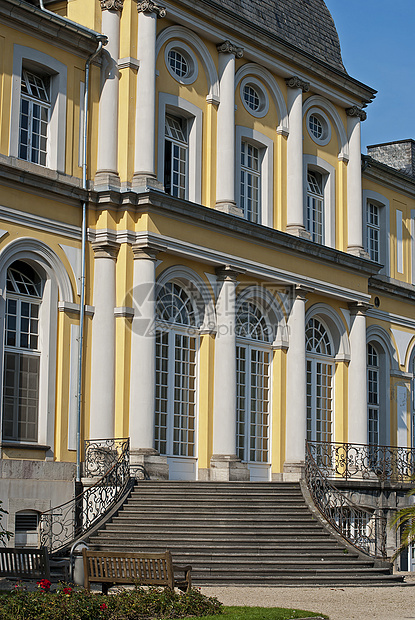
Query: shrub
(77, 604)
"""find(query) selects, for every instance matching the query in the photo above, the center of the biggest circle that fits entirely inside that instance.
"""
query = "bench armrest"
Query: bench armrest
(186, 583)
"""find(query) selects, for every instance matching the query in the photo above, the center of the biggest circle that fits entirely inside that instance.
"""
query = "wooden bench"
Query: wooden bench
(17, 563)
(144, 569)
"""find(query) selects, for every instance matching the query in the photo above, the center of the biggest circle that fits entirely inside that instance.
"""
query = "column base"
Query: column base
(154, 463)
(143, 181)
(293, 471)
(297, 231)
(106, 179)
(229, 207)
(227, 468)
(357, 250)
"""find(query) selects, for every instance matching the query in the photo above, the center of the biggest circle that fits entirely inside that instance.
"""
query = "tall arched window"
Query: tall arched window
(176, 371)
(21, 353)
(320, 374)
(373, 400)
(253, 362)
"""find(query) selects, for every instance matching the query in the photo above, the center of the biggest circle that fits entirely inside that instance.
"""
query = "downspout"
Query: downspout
(83, 253)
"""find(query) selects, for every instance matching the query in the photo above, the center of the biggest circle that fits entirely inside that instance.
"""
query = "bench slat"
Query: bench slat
(20, 563)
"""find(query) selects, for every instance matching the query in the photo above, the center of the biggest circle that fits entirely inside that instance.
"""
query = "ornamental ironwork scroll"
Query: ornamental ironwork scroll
(349, 461)
(101, 455)
(364, 529)
(62, 525)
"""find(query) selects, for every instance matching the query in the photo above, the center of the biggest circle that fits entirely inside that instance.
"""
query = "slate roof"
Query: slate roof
(305, 24)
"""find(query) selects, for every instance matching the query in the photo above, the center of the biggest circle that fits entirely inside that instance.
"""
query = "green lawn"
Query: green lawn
(260, 613)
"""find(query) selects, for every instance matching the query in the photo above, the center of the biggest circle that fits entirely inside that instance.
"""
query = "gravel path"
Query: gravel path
(383, 603)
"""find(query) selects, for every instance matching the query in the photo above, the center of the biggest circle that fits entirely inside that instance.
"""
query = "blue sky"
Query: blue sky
(377, 41)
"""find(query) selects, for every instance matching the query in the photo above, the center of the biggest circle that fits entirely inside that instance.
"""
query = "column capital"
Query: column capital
(229, 48)
(296, 82)
(147, 250)
(357, 112)
(228, 273)
(300, 292)
(147, 6)
(359, 308)
(112, 5)
(105, 249)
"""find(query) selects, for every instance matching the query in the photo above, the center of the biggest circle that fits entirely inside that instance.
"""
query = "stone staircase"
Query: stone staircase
(238, 534)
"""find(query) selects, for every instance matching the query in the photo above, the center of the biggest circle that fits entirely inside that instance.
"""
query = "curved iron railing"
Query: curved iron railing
(102, 454)
(62, 525)
(350, 461)
(365, 529)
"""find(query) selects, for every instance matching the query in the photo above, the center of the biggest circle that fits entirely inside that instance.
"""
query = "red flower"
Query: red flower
(67, 590)
(44, 585)
(103, 606)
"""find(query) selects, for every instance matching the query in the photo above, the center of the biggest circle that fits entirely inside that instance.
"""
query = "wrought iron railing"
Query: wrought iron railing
(363, 528)
(101, 455)
(62, 525)
(350, 461)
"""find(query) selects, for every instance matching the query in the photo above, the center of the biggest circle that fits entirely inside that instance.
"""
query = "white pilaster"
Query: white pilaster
(145, 120)
(225, 167)
(103, 342)
(358, 431)
(225, 465)
(107, 165)
(354, 184)
(296, 400)
(143, 362)
(295, 183)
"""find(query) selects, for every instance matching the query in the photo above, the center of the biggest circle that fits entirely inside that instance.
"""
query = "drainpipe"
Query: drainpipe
(83, 253)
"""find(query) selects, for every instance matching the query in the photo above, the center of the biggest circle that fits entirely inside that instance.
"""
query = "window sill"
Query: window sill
(23, 446)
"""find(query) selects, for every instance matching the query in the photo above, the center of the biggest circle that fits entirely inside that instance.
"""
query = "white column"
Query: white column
(296, 399)
(225, 163)
(358, 432)
(107, 165)
(103, 342)
(225, 465)
(295, 182)
(143, 362)
(354, 183)
(145, 119)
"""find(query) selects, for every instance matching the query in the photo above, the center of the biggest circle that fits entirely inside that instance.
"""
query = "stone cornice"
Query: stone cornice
(297, 82)
(64, 34)
(387, 176)
(356, 112)
(147, 6)
(205, 217)
(390, 286)
(112, 5)
(229, 48)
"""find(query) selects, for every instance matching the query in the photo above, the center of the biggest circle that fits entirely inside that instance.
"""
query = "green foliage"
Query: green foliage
(404, 520)
(78, 604)
(5, 535)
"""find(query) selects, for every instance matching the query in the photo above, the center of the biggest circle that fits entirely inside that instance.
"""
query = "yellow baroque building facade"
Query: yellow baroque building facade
(193, 252)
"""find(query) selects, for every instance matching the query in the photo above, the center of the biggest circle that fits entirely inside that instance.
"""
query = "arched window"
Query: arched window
(320, 374)
(373, 396)
(253, 362)
(22, 353)
(176, 371)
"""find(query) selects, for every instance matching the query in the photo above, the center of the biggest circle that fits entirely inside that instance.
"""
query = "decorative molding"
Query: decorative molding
(105, 249)
(359, 308)
(144, 249)
(112, 5)
(229, 273)
(124, 311)
(67, 306)
(356, 111)
(229, 48)
(297, 82)
(129, 63)
(147, 6)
